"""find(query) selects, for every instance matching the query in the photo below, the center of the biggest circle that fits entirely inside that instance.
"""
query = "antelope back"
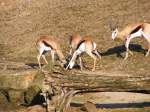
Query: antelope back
(74, 40)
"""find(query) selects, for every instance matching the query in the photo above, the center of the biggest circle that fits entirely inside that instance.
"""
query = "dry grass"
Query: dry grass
(23, 21)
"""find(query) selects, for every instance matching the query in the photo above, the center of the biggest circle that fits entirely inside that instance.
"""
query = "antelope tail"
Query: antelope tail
(95, 52)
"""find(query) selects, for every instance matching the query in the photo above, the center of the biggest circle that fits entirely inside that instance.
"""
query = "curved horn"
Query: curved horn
(112, 23)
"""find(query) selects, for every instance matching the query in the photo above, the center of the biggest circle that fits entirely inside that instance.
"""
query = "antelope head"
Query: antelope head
(114, 28)
(114, 33)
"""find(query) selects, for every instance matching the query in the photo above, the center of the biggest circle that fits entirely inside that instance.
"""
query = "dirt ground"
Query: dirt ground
(23, 21)
(114, 101)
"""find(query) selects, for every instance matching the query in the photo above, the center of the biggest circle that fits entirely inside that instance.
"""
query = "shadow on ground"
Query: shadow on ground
(120, 49)
(33, 65)
(118, 105)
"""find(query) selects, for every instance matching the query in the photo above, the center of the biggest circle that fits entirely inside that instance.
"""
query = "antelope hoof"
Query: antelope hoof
(40, 68)
(81, 68)
(66, 68)
(125, 58)
(146, 54)
(131, 52)
(100, 57)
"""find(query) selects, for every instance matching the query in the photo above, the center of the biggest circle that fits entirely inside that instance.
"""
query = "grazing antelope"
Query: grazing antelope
(86, 45)
(133, 31)
(48, 43)
(74, 40)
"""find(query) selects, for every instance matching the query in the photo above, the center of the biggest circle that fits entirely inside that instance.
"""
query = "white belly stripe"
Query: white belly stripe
(45, 48)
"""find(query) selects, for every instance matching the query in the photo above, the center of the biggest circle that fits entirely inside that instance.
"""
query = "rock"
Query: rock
(16, 97)
(18, 80)
(32, 95)
(20, 87)
(36, 108)
(3, 97)
(73, 109)
(89, 107)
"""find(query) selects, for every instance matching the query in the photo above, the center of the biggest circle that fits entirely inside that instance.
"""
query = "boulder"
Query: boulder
(20, 86)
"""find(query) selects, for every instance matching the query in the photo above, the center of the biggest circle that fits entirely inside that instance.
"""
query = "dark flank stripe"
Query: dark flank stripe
(136, 29)
(80, 44)
(46, 44)
(70, 39)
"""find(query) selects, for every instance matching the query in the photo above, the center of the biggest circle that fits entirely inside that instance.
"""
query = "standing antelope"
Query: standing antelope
(86, 45)
(74, 40)
(133, 31)
(48, 43)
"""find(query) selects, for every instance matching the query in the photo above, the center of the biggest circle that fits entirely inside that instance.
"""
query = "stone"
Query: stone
(36, 108)
(89, 107)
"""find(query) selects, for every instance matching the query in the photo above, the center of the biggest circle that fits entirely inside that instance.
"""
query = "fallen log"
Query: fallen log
(73, 82)
(100, 81)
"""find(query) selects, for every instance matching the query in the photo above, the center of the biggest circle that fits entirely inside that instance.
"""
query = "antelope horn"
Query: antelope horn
(116, 25)
(111, 24)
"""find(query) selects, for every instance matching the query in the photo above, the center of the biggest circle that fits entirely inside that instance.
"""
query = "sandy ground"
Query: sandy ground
(115, 101)
(113, 97)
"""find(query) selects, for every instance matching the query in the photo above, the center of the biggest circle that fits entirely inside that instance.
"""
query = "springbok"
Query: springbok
(74, 40)
(86, 45)
(48, 43)
(133, 31)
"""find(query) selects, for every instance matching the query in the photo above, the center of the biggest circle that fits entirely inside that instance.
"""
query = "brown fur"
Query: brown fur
(89, 49)
(132, 28)
(74, 40)
(127, 32)
(49, 41)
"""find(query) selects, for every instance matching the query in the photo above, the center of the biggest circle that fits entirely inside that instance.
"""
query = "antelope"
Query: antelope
(48, 43)
(130, 32)
(86, 45)
(74, 40)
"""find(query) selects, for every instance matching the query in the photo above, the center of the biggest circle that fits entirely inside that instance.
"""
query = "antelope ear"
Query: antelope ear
(113, 29)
